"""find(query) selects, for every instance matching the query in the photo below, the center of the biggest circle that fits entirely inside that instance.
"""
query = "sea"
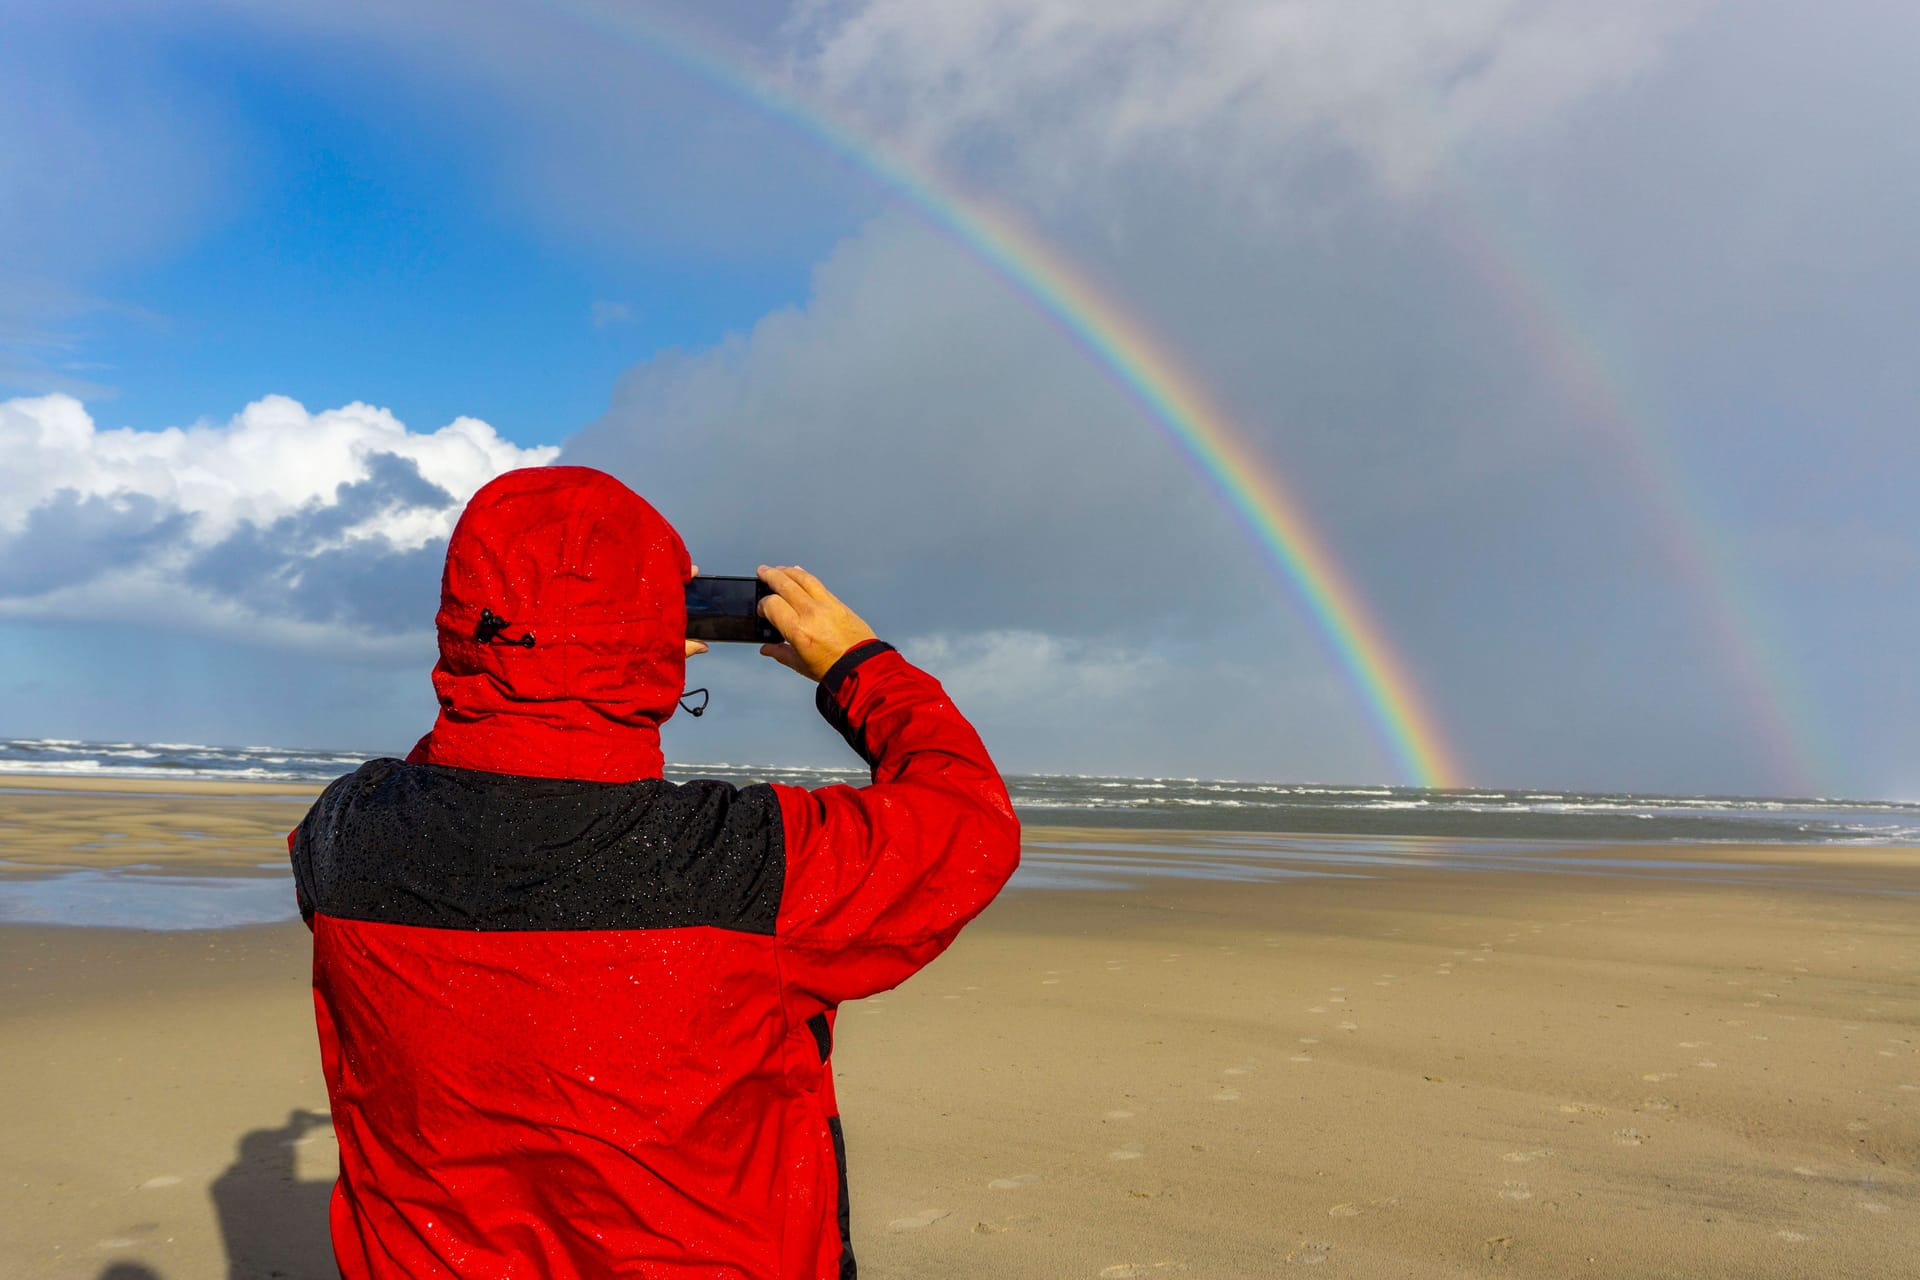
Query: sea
(1197, 804)
(1127, 831)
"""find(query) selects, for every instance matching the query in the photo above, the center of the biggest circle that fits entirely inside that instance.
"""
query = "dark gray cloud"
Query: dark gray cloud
(927, 434)
(74, 539)
(304, 565)
(1606, 424)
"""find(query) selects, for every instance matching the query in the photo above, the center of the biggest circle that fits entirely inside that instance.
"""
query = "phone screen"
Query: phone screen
(725, 609)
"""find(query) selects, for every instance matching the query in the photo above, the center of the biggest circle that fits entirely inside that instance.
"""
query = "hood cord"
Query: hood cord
(491, 624)
(694, 711)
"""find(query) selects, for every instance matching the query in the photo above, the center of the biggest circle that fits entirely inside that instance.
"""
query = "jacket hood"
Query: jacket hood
(589, 581)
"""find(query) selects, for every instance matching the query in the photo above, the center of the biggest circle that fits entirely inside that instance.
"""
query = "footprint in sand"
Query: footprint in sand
(1309, 1039)
(1707, 1063)
(1132, 1151)
(1237, 1071)
(1525, 1157)
(1119, 1115)
(1349, 1026)
(1516, 1191)
(1874, 1206)
(1655, 1077)
(1227, 1095)
(1004, 1225)
(924, 1218)
(1014, 1183)
(1496, 1248)
(1301, 1057)
(1311, 1253)
(164, 1180)
(1318, 1008)
(1134, 1270)
(1344, 1211)
(1794, 1236)
(1629, 1137)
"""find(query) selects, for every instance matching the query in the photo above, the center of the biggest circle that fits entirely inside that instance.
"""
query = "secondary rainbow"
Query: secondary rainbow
(1544, 314)
(1126, 348)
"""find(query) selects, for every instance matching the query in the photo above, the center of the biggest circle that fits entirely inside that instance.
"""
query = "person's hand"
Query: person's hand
(816, 626)
(696, 646)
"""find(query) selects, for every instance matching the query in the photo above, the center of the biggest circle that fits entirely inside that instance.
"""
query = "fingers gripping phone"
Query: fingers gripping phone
(721, 608)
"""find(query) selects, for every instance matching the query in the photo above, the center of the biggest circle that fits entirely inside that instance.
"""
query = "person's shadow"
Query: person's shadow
(275, 1225)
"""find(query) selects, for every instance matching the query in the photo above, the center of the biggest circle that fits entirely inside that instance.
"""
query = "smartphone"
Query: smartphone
(724, 608)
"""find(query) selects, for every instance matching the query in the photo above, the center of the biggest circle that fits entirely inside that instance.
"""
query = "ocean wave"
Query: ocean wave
(53, 766)
(1216, 804)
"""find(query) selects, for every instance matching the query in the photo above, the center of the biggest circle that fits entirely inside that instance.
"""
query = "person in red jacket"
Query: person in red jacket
(576, 1020)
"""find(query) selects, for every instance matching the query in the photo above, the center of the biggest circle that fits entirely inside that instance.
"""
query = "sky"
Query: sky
(1578, 336)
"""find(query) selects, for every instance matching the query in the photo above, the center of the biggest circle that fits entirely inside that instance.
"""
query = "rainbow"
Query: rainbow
(1544, 316)
(1125, 347)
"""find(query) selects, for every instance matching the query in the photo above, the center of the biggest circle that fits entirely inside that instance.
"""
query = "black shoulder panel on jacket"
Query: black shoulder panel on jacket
(424, 844)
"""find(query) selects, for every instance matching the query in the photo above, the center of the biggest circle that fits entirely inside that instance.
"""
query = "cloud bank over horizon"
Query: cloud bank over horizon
(279, 527)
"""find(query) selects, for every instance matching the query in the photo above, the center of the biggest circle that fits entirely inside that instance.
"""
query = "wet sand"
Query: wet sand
(1426, 1072)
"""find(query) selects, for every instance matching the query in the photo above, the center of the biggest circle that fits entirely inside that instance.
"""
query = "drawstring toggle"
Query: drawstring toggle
(491, 624)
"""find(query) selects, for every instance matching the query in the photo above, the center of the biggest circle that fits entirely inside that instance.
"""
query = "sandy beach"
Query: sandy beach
(1609, 1069)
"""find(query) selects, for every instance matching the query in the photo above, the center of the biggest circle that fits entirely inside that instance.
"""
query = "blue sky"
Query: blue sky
(362, 247)
(500, 229)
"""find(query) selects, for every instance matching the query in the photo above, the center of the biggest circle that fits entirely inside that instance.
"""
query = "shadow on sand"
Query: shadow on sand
(274, 1225)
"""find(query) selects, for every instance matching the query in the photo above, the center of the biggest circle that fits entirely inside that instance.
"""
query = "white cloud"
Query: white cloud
(1229, 83)
(278, 526)
(270, 460)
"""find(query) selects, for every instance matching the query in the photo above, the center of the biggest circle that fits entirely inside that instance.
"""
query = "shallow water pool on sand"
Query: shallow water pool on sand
(1087, 860)
(147, 896)
(130, 898)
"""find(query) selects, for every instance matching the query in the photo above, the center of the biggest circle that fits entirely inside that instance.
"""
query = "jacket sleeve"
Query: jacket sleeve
(879, 879)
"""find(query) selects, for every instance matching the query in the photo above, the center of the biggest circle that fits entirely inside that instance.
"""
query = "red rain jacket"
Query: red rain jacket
(575, 1020)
